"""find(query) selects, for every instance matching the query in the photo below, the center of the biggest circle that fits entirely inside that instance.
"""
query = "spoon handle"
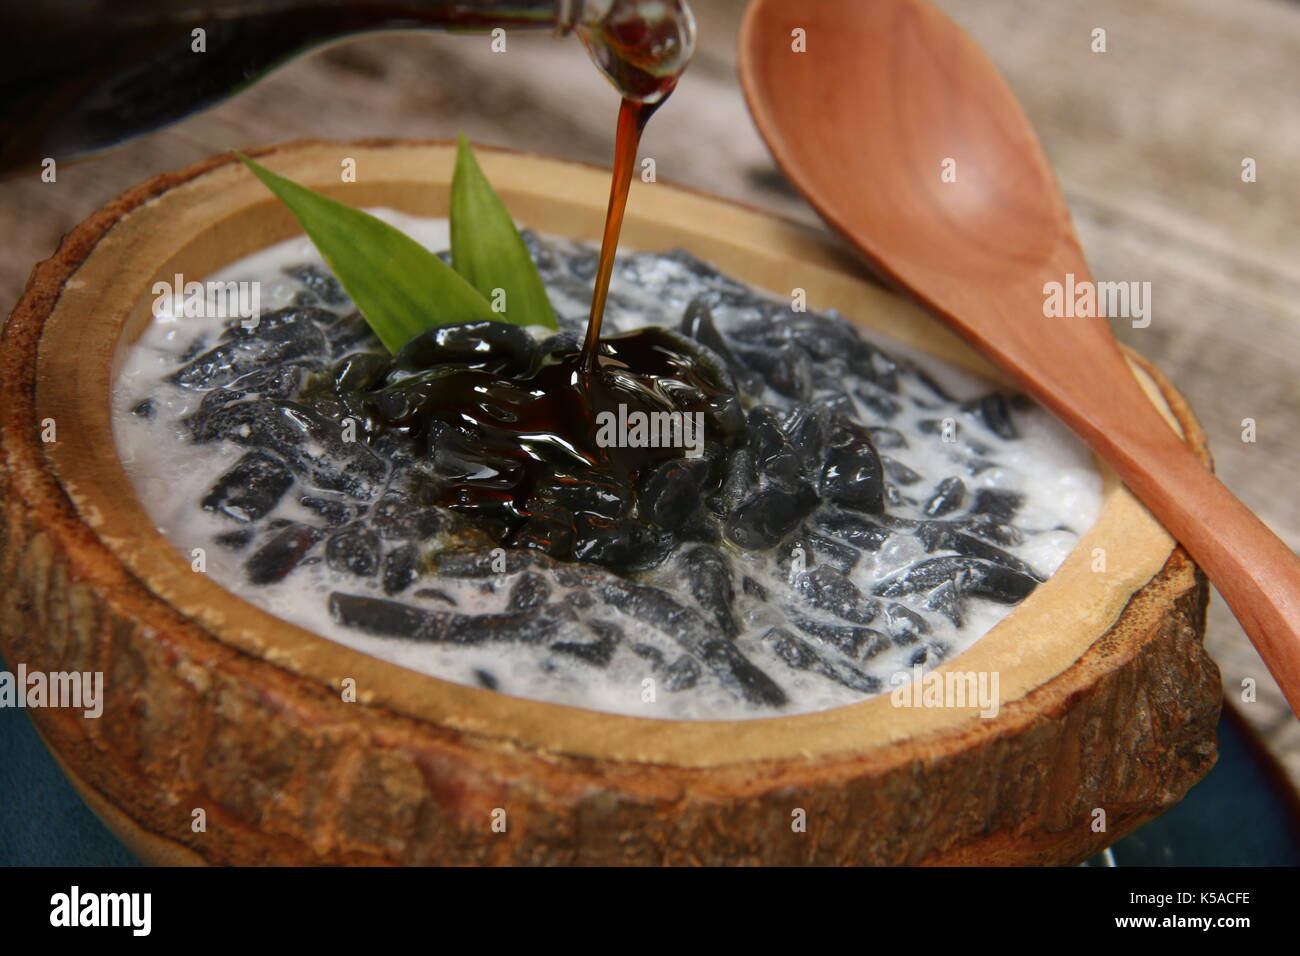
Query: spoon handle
(1254, 570)
(1079, 372)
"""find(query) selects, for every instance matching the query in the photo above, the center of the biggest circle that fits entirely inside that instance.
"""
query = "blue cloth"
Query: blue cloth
(42, 820)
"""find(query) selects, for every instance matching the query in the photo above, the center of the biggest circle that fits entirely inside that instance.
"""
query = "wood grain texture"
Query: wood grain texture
(287, 775)
(1108, 700)
(1146, 139)
(966, 215)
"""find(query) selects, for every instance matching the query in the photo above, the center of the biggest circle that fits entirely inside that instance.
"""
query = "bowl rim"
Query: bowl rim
(103, 513)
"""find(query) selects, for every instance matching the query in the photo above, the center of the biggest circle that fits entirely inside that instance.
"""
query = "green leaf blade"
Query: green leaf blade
(488, 251)
(400, 288)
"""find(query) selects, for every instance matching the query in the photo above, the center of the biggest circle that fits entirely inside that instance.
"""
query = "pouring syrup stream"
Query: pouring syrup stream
(642, 46)
(513, 434)
(632, 117)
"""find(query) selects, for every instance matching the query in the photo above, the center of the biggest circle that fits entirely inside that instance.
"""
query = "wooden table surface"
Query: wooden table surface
(1147, 138)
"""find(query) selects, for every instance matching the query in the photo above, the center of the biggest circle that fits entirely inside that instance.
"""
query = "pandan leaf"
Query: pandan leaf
(401, 288)
(487, 249)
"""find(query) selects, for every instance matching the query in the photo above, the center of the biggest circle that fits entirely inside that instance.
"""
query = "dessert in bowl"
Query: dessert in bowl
(363, 668)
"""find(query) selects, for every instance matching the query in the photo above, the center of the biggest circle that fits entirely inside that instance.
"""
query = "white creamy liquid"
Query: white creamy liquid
(1051, 468)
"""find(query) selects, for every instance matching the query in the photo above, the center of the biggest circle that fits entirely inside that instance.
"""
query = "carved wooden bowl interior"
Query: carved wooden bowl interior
(1108, 700)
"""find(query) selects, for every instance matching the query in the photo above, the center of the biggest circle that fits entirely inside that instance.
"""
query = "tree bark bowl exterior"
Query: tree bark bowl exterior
(1108, 705)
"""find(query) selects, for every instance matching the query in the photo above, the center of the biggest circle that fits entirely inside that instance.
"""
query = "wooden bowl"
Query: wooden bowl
(1108, 700)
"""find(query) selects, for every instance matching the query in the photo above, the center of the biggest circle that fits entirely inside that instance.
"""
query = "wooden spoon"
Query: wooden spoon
(865, 119)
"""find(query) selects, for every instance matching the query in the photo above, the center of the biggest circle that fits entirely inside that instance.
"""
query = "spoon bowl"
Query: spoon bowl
(997, 177)
(898, 129)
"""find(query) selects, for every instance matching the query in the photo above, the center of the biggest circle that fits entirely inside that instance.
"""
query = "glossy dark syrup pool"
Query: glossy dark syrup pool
(847, 512)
